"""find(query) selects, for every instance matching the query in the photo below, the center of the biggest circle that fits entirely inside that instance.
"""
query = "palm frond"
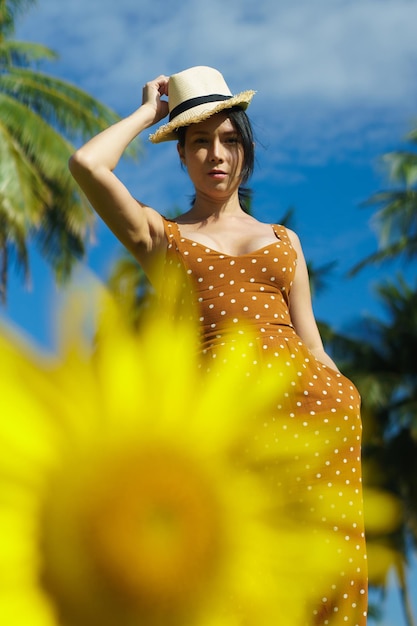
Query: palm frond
(402, 167)
(406, 246)
(41, 117)
(22, 190)
(396, 218)
(58, 102)
(9, 11)
(23, 53)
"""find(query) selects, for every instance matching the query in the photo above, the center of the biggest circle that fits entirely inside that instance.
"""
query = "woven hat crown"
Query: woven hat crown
(194, 95)
(193, 84)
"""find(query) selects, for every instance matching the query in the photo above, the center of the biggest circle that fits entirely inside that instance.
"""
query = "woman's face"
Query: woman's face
(213, 155)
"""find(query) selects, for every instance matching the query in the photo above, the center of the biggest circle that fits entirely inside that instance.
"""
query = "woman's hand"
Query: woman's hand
(152, 97)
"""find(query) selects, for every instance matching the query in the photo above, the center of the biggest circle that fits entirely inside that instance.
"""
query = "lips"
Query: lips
(217, 174)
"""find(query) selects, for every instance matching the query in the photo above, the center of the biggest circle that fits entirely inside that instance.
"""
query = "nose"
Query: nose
(216, 154)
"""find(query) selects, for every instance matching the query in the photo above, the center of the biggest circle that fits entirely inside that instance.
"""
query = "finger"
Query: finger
(162, 82)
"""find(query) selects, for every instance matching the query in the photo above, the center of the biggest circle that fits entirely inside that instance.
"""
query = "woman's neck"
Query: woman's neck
(206, 208)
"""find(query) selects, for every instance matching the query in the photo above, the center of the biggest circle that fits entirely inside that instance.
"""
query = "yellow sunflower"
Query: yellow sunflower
(125, 494)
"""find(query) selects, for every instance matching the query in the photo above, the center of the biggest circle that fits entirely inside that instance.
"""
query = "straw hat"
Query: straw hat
(194, 95)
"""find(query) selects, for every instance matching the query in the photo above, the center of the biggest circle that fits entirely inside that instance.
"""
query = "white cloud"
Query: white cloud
(326, 49)
(326, 71)
(335, 81)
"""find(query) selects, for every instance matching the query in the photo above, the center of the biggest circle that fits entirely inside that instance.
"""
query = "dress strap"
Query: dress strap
(281, 233)
(172, 232)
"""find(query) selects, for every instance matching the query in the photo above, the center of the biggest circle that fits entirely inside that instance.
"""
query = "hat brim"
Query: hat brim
(168, 132)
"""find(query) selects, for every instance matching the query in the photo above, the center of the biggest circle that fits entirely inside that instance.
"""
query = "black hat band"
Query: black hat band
(193, 102)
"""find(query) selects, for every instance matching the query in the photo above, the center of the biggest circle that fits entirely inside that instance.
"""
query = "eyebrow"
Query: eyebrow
(207, 133)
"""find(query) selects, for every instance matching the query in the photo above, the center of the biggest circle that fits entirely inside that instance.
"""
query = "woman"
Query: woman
(245, 271)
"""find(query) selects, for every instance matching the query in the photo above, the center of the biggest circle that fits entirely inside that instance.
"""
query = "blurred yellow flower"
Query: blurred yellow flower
(126, 493)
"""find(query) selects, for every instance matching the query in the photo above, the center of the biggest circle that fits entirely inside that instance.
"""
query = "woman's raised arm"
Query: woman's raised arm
(136, 225)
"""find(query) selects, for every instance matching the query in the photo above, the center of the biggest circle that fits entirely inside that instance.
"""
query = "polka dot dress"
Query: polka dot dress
(321, 407)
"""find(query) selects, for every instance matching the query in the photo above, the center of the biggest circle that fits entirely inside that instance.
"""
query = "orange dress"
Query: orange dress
(254, 289)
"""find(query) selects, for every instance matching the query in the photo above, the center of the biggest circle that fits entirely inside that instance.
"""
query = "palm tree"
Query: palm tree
(381, 361)
(39, 118)
(396, 219)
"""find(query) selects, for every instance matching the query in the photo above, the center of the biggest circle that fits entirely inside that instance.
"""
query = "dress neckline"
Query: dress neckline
(225, 254)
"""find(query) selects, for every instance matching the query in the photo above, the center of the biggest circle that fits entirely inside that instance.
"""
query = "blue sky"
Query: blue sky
(336, 88)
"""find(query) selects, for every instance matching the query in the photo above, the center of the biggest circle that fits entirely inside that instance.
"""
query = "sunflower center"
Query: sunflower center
(153, 529)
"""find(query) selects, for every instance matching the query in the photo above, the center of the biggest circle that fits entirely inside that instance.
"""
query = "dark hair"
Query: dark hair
(243, 128)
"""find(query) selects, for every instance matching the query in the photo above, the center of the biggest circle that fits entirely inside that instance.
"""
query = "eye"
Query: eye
(234, 139)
